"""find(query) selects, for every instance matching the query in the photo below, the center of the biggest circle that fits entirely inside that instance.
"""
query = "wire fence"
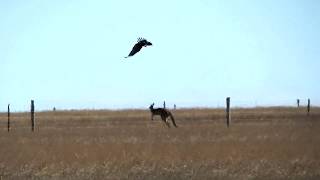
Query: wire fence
(237, 109)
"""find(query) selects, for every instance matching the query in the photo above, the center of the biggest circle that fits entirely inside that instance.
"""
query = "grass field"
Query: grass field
(261, 143)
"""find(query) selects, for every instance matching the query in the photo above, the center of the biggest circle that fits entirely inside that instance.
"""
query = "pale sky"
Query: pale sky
(70, 54)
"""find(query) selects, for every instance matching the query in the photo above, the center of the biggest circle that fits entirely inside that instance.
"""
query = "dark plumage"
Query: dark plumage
(137, 47)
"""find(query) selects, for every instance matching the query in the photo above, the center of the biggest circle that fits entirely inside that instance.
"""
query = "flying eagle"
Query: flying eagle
(137, 47)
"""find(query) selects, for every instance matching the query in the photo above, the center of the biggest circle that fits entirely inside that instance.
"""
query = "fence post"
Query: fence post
(228, 111)
(308, 107)
(298, 102)
(164, 104)
(8, 117)
(32, 115)
(174, 107)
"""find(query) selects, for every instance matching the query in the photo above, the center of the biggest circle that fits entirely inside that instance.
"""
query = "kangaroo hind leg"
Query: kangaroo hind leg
(165, 120)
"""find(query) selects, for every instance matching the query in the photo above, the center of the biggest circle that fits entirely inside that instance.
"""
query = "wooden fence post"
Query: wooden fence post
(308, 107)
(8, 117)
(298, 102)
(32, 115)
(164, 104)
(228, 111)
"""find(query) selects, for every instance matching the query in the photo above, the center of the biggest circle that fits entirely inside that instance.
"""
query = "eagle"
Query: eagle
(137, 47)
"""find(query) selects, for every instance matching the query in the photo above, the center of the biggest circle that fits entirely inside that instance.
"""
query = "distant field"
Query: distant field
(261, 143)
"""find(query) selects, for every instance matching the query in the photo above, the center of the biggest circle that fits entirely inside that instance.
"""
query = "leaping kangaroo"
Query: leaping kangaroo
(164, 113)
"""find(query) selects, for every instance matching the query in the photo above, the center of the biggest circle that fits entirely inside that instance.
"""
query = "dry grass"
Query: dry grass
(262, 143)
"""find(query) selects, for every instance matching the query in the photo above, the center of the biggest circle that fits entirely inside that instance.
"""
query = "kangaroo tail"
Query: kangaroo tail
(172, 119)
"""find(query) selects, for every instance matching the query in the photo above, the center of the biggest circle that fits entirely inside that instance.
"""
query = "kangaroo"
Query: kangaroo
(164, 113)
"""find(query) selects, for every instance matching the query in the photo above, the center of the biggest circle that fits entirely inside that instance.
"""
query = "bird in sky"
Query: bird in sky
(137, 47)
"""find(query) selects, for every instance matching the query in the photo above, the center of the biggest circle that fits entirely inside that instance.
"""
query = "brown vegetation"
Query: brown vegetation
(261, 143)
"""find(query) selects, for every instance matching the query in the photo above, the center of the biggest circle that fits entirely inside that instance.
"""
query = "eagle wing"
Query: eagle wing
(136, 48)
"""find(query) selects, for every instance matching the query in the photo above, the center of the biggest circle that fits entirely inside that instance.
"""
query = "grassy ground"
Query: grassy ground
(261, 143)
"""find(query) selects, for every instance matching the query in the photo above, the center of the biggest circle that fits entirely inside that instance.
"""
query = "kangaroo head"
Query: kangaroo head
(151, 106)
